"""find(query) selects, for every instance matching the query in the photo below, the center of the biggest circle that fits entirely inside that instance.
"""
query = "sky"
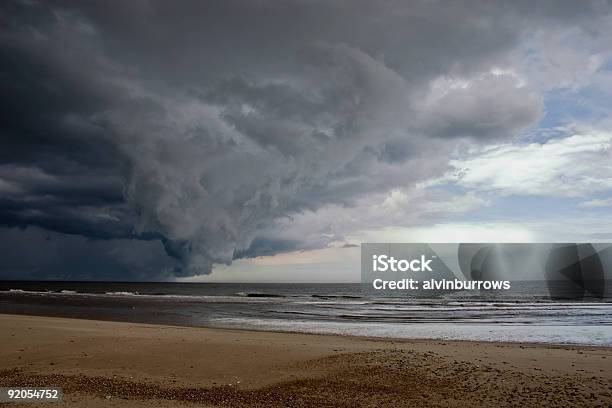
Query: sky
(265, 140)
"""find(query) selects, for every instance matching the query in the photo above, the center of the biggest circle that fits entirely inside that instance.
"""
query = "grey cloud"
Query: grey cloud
(261, 246)
(486, 107)
(197, 125)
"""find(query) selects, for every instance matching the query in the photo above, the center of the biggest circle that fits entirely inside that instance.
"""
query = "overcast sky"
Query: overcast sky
(169, 139)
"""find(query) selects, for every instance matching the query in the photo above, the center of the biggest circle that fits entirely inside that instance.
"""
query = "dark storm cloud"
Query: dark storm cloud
(197, 124)
(267, 246)
(37, 254)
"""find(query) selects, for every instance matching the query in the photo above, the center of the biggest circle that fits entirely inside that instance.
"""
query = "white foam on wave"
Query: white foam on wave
(120, 293)
(583, 335)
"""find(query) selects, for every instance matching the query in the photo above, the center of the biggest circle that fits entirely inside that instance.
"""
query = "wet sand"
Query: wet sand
(100, 363)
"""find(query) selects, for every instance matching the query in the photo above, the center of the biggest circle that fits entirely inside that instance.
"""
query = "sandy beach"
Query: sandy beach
(99, 363)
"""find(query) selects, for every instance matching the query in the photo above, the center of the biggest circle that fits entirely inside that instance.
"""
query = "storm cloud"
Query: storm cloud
(200, 127)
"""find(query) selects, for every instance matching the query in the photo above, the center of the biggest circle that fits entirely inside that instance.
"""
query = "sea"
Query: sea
(524, 314)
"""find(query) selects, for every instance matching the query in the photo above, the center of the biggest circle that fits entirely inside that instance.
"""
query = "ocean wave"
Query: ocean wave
(122, 293)
(259, 295)
(25, 292)
(475, 331)
(336, 296)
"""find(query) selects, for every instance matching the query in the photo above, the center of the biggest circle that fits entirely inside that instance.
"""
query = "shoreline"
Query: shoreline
(328, 309)
(134, 363)
(362, 337)
(325, 334)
